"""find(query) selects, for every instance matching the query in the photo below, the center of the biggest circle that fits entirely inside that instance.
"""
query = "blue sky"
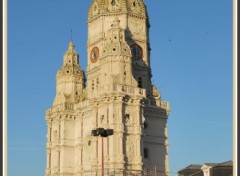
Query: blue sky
(191, 61)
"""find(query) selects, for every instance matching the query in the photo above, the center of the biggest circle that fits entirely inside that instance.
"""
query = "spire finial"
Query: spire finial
(71, 45)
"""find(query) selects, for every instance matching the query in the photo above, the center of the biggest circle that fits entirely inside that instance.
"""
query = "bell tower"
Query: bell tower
(118, 94)
(132, 19)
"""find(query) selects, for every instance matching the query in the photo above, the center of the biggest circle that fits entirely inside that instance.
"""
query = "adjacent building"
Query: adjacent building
(208, 169)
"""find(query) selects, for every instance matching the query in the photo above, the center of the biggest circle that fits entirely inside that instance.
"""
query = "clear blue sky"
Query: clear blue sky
(191, 60)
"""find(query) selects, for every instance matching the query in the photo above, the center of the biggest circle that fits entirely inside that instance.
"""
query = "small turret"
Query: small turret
(70, 78)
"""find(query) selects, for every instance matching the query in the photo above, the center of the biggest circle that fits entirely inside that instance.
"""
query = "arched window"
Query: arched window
(145, 153)
(145, 125)
(140, 82)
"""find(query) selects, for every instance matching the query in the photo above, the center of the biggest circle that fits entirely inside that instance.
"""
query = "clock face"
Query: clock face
(94, 55)
(137, 52)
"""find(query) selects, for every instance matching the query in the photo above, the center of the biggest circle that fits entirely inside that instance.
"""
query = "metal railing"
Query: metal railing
(121, 172)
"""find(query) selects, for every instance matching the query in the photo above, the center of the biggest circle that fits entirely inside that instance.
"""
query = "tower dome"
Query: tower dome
(108, 7)
(71, 63)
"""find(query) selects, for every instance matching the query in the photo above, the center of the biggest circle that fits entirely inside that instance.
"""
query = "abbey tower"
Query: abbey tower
(116, 93)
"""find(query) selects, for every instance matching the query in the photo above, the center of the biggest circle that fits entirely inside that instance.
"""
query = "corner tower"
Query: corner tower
(118, 95)
(70, 79)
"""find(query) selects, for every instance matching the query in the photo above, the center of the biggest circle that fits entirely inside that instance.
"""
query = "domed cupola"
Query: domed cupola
(71, 63)
(108, 7)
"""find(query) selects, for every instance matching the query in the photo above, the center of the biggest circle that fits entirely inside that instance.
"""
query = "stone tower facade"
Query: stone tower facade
(118, 94)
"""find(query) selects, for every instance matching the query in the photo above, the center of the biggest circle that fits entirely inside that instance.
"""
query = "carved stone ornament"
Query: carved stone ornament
(155, 92)
(95, 9)
(130, 147)
(129, 120)
(135, 25)
(114, 5)
(55, 134)
(135, 6)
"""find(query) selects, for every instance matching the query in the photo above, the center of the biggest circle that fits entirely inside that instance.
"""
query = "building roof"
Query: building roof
(227, 163)
(191, 167)
(199, 166)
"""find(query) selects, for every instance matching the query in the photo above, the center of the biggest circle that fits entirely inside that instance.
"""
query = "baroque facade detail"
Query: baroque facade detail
(118, 94)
